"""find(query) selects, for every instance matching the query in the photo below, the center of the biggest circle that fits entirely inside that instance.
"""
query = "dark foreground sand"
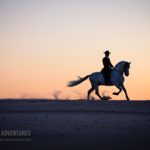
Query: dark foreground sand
(68, 124)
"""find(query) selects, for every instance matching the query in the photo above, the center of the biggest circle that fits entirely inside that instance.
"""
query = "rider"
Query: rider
(107, 66)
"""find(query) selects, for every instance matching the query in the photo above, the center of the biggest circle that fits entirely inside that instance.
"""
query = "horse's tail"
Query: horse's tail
(76, 82)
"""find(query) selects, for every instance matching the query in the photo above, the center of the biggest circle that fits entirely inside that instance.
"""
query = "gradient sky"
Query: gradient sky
(46, 43)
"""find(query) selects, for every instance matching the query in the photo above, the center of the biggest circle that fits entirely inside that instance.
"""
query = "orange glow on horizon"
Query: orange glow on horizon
(46, 44)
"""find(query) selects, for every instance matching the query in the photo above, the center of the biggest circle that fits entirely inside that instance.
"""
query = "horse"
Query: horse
(97, 79)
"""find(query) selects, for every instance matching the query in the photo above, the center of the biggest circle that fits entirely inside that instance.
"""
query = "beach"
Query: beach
(75, 124)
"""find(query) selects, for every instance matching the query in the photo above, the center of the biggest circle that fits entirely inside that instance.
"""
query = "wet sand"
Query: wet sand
(76, 124)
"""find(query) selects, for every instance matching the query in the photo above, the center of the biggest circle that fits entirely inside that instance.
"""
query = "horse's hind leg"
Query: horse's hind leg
(89, 92)
(97, 92)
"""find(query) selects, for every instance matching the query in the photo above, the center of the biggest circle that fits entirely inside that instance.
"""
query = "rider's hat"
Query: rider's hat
(107, 52)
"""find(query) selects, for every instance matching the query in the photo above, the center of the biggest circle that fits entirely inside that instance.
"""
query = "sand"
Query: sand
(76, 124)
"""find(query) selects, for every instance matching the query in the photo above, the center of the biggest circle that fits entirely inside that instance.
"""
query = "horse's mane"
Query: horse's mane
(120, 63)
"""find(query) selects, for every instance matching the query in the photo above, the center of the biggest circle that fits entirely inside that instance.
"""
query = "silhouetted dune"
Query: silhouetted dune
(77, 124)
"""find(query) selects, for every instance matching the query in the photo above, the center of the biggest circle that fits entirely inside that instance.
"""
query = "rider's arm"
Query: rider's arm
(111, 64)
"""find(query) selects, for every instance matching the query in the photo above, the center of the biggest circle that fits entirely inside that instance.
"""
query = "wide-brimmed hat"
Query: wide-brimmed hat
(107, 52)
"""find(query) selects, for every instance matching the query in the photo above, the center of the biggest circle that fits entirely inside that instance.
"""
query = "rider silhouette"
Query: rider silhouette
(107, 67)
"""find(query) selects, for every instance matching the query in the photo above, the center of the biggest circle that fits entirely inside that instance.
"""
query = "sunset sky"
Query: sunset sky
(46, 43)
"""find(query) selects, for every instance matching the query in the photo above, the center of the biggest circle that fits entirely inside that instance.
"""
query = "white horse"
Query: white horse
(97, 78)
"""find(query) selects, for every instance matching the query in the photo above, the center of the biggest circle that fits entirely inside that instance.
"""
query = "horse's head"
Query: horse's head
(126, 68)
(123, 67)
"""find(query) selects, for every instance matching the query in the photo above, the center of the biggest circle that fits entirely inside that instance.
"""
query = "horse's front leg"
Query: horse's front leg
(124, 89)
(120, 89)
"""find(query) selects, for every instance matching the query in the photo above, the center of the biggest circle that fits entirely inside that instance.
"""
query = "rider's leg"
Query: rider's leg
(107, 76)
(124, 89)
(120, 89)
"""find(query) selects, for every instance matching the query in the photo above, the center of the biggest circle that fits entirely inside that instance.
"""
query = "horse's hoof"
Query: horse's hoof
(106, 98)
(115, 93)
